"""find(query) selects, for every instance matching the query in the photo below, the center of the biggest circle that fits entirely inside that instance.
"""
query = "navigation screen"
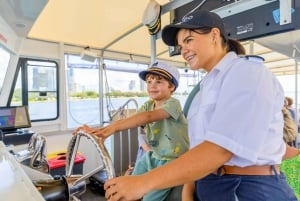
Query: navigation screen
(14, 117)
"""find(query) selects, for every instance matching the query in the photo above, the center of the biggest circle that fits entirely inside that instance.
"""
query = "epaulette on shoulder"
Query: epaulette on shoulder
(254, 58)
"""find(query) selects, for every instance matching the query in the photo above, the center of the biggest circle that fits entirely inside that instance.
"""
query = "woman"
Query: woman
(235, 124)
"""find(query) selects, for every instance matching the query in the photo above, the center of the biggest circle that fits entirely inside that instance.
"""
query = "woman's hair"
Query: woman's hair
(289, 101)
(236, 46)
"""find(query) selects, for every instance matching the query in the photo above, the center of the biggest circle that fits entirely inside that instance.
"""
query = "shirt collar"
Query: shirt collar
(222, 66)
(225, 62)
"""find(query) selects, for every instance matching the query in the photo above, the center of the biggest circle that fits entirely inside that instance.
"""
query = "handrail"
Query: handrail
(123, 107)
(129, 147)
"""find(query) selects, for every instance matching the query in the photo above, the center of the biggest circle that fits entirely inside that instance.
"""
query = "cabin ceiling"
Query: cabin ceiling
(116, 26)
(99, 24)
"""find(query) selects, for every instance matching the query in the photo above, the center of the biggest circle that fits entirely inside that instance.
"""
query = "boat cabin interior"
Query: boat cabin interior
(66, 63)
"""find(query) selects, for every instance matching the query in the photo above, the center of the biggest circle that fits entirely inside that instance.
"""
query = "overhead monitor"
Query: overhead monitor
(13, 118)
(252, 23)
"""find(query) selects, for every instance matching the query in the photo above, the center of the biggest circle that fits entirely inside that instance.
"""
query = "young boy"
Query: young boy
(163, 121)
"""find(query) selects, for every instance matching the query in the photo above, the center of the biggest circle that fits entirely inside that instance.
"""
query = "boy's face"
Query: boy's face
(158, 87)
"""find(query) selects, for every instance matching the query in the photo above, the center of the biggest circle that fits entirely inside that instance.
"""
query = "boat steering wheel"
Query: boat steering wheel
(70, 187)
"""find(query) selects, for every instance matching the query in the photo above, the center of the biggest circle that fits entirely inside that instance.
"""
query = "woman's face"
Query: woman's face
(198, 49)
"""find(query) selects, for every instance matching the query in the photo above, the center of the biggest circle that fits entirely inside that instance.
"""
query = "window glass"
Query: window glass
(17, 95)
(83, 90)
(36, 87)
(42, 90)
(120, 83)
(4, 60)
(41, 76)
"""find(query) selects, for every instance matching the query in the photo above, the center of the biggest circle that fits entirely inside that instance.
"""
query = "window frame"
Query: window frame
(22, 67)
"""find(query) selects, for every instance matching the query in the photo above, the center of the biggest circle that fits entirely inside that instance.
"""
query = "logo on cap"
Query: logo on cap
(186, 18)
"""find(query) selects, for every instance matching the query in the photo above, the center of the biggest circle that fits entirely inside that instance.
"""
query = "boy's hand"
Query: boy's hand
(104, 132)
(85, 128)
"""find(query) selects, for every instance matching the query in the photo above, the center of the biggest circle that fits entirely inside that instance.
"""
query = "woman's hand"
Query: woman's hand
(125, 188)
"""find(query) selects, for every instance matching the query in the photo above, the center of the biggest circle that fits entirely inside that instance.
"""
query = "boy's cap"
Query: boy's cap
(194, 20)
(169, 72)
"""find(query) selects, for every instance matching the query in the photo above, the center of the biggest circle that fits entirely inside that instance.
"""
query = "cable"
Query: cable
(109, 105)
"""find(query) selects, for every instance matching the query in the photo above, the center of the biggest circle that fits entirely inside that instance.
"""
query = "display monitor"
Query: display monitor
(14, 118)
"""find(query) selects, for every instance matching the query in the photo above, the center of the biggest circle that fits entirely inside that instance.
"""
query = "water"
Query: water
(87, 111)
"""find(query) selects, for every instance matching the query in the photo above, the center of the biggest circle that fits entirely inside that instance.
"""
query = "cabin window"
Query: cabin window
(119, 82)
(36, 86)
(4, 60)
(82, 91)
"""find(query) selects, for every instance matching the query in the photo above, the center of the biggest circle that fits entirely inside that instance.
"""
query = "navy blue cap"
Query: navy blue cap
(194, 20)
